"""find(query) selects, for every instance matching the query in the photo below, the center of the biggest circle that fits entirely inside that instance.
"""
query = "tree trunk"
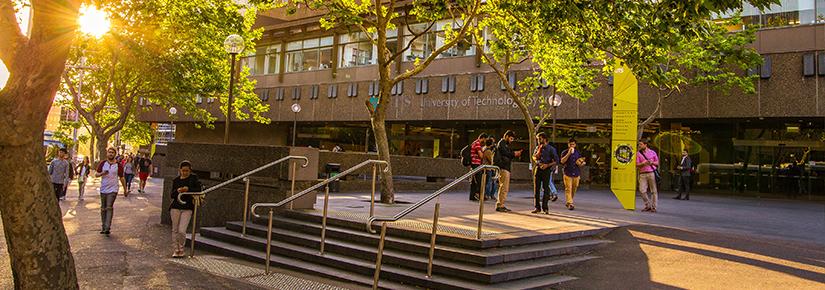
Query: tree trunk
(92, 144)
(379, 130)
(38, 247)
(102, 144)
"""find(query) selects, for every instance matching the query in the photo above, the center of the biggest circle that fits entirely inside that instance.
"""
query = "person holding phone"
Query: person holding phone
(181, 213)
(110, 172)
(571, 161)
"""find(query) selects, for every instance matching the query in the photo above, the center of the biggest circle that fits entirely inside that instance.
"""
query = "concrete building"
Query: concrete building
(742, 142)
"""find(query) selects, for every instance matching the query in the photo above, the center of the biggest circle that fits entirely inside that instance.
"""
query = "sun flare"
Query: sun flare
(93, 22)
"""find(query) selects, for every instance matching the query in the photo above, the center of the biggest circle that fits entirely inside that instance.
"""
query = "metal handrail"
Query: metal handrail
(272, 206)
(430, 197)
(385, 219)
(198, 196)
(316, 186)
(242, 176)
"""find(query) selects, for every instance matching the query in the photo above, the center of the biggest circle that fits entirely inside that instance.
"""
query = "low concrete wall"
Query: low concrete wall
(215, 163)
(438, 168)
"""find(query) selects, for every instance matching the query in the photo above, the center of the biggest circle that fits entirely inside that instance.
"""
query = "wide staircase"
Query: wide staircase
(408, 253)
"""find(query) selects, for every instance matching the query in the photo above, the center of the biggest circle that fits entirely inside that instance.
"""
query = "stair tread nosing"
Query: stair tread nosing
(493, 270)
(296, 264)
(511, 271)
(540, 282)
(490, 256)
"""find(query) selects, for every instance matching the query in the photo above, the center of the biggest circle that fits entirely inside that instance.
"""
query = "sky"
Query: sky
(23, 20)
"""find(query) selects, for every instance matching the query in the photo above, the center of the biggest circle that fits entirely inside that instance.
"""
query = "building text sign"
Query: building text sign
(623, 143)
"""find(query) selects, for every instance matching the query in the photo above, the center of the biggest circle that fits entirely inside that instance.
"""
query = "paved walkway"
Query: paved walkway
(780, 220)
(137, 254)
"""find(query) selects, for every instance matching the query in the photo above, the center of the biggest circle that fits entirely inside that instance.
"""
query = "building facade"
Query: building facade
(742, 142)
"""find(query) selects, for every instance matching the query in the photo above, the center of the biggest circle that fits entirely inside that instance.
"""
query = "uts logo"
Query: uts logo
(624, 154)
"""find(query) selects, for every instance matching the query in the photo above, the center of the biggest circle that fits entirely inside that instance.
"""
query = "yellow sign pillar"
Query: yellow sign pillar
(623, 142)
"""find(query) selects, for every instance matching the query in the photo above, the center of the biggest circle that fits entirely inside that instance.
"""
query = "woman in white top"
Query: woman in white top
(82, 173)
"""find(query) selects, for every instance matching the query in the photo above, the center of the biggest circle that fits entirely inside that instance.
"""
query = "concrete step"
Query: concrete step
(231, 241)
(487, 257)
(421, 232)
(492, 274)
(278, 261)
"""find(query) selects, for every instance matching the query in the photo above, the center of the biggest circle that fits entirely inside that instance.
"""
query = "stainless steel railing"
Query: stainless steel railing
(385, 219)
(199, 196)
(272, 206)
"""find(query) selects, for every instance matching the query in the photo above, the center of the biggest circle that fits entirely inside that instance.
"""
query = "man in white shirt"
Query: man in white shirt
(110, 172)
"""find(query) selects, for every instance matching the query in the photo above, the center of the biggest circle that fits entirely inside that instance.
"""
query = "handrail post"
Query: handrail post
(481, 198)
(292, 191)
(245, 205)
(372, 196)
(324, 219)
(432, 240)
(197, 202)
(269, 240)
(380, 254)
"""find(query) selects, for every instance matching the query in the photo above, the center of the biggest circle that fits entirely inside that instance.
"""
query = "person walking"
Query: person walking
(110, 172)
(476, 155)
(647, 161)
(129, 174)
(83, 171)
(571, 161)
(685, 167)
(181, 213)
(144, 169)
(503, 158)
(545, 157)
(488, 155)
(59, 173)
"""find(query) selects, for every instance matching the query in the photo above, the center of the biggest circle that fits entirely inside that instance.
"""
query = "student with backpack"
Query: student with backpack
(471, 156)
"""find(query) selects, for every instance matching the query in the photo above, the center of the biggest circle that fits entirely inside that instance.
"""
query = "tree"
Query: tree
(37, 244)
(552, 65)
(161, 52)
(376, 19)
(668, 44)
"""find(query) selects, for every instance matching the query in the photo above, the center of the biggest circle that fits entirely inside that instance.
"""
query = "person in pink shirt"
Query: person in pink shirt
(647, 161)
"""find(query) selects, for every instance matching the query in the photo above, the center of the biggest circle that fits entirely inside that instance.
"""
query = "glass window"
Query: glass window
(273, 59)
(309, 54)
(423, 46)
(356, 49)
(820, 11)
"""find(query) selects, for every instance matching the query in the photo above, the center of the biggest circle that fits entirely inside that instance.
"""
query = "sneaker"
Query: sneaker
(536, 211)
(677, 197)
(503, 209)
(106, 233)
(646, 209)
(546, 211)
(652, 210)
(571, 207)
(102, 232)
(554, 198)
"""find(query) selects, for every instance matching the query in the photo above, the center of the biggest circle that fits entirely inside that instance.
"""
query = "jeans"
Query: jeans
(107, 203)
(59, 190)
(475, 184)
(81, 187)
(129, 178)
(542, 183)
(180, 221)
(491, 189)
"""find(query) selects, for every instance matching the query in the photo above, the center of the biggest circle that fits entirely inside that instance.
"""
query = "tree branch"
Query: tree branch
(13, 38)
(415, 37)
(462, 32)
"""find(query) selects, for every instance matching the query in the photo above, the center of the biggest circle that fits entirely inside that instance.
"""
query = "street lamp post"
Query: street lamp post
(296, 108)
(555, 102)
(233, 45)
(173, 112)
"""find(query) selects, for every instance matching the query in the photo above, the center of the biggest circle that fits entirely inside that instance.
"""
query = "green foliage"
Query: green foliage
(164, 51)
(137, 133)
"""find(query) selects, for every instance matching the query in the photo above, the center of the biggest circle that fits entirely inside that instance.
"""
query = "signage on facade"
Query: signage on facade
(625, 118)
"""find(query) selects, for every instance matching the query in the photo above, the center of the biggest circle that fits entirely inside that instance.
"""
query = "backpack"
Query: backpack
(466, 155)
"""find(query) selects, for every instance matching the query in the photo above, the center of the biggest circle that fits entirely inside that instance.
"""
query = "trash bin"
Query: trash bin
(332, 170)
